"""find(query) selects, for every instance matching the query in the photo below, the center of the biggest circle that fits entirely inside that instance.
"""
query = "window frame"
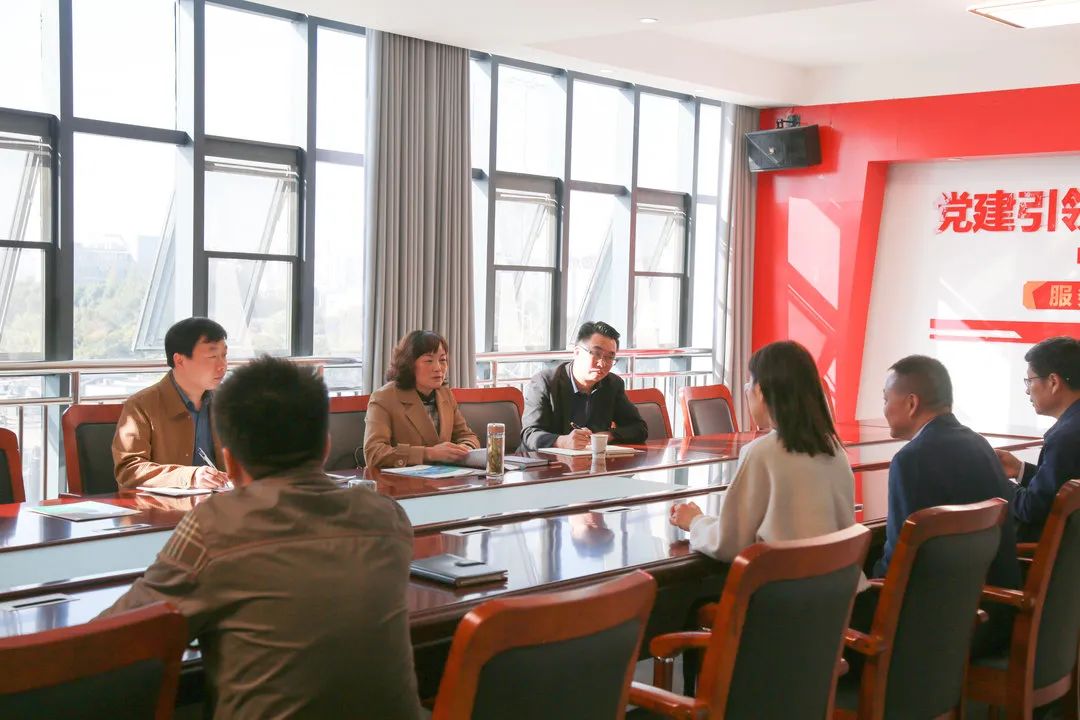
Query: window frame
(566, 184)
(44, 126)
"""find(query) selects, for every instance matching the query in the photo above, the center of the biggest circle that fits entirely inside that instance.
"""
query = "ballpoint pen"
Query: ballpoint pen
(210, 464)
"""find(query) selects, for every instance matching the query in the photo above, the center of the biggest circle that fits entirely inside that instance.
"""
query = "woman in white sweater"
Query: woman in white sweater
(793, 483)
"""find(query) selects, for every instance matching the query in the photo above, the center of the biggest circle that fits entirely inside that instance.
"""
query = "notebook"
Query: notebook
(456, 570)
(431, 471)
(478, 459)
(612, 451)
(83, 511)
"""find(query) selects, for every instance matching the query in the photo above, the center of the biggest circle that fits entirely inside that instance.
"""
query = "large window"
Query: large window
(213, 164)
(585, 210)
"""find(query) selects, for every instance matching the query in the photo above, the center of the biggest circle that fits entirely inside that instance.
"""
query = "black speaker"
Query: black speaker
(795, 147)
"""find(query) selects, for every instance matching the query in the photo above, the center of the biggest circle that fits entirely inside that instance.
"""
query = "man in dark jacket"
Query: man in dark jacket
(1053, 384)
(566, 404)
(945, 463)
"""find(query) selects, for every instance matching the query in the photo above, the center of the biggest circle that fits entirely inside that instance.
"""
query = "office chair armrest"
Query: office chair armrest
(667, 703)
(1026, 550)
(1005, 596)
(671, 644)
(706, 614)
(862, 643)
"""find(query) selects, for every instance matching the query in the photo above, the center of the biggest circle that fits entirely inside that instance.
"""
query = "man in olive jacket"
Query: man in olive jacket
(294, 586)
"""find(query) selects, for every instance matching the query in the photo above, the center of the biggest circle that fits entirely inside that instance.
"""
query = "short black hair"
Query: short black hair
(1060, 355)
(926, 378)
(790, 383)
(408, 350)
(599, 327)
(183, 336)
(272, 415)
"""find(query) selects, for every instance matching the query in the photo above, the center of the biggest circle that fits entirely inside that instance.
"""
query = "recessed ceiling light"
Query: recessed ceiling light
(1031, 13)
(648, 21)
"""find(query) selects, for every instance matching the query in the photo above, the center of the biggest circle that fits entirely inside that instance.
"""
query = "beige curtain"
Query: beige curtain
(418, 273)
(735, 242)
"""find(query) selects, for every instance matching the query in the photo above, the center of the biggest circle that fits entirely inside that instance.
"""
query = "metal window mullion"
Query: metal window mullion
(630, 289)
(525, 268)
(654, 273)
(493, 128)
(60, 305)
(236, 255)
(561, 290)
(200, 270)
(257, 9)
(598, 187)
(338, 157)
(108, 128)
(27, 245)
(304, 298)
(690, 239)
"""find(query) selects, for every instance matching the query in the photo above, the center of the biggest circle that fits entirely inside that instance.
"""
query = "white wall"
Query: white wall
(921, 274)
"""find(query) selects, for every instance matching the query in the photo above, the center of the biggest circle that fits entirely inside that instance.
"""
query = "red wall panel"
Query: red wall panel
(836, 207)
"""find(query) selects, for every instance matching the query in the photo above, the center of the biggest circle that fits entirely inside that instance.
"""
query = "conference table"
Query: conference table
(573, 522)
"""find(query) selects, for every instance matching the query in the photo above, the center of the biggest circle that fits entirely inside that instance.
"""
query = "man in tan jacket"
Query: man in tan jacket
(294, 587)
(165, 436)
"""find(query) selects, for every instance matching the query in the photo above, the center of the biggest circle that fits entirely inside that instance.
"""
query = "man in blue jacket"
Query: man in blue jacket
(945, 463)
(1053, 384)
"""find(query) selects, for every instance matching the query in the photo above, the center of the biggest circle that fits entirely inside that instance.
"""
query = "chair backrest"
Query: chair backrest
(1053, 589)
(481, 406)
(11, 479)
(925, 616)
(652, 405)
(88, 434)
(778, 632)
(347, 415)
(707, 410)
(123, 667)
(527, 657)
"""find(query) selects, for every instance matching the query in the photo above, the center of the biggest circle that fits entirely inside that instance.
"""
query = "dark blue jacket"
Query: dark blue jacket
(949, 464)
(1059, 462)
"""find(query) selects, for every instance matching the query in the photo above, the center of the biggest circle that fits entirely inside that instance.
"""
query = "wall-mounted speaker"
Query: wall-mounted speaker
(795, 147)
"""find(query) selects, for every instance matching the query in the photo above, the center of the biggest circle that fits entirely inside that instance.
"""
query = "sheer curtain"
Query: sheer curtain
(418, 273)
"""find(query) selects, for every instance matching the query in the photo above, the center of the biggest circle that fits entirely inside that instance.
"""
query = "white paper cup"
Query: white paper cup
(599, 444)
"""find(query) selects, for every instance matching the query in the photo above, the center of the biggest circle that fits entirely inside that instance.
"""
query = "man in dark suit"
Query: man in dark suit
(1053, 384)
(566, 404)
(945, 463)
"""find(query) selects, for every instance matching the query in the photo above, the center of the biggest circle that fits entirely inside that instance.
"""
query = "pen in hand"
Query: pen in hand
(210, 464)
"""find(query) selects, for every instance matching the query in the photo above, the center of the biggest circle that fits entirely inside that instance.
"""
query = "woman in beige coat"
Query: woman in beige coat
(413, 419)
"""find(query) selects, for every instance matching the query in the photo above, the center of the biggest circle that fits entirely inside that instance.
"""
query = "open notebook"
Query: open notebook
(612, 451)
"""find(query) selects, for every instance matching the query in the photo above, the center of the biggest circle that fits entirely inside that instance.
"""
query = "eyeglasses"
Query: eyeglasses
(1033, 378)
(599, 356)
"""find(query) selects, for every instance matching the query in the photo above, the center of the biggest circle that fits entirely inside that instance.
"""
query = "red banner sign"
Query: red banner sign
(1000, 211)
(1051, 295)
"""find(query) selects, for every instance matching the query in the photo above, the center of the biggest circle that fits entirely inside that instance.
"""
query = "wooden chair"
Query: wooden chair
(11, 479)
(918, 643)
(1041, 664)
(481, 406)
(126, 666)
(774, 649)
(652, 405)
(88, 434)
(347, 415)
(525, 657)
(707, 410)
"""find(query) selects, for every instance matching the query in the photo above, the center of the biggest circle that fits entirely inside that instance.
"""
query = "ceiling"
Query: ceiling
(757, 52)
